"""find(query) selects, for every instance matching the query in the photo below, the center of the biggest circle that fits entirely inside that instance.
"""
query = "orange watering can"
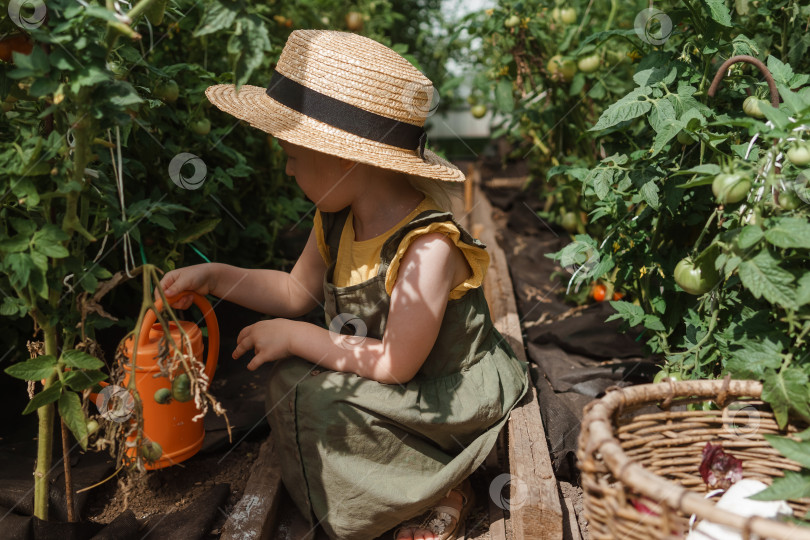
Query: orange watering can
(167, 422)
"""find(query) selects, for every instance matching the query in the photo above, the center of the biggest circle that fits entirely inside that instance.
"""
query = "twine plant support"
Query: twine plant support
(640, 449)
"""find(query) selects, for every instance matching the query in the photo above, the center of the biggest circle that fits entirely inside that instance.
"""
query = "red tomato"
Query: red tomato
(18, 43)
(598, 292)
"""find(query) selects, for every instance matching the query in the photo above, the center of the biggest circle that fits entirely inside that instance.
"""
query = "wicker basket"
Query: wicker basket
(640, 445)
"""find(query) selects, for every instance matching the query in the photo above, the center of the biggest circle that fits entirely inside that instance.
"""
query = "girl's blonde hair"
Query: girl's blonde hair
(443, 193)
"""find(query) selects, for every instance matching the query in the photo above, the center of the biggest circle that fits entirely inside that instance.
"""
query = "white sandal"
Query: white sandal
(439, 519)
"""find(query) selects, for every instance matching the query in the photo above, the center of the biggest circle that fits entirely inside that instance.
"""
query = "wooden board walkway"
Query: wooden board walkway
(535, 508)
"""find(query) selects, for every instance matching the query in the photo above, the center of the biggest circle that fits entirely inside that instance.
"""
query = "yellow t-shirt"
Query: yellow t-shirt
(359, 261)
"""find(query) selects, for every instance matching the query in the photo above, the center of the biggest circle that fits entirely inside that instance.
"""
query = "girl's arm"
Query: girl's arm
(429, 270)
(272, 292)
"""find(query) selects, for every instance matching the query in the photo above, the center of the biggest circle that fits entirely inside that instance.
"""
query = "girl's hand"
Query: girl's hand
(198, 278)
(270, 341)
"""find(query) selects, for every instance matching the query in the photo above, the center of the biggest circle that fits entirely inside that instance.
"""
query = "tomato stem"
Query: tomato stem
(703, 233)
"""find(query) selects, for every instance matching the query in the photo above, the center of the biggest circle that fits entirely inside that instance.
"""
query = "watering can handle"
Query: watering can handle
(210, 321)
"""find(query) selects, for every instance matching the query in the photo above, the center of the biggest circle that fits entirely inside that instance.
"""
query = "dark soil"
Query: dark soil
(164, 491)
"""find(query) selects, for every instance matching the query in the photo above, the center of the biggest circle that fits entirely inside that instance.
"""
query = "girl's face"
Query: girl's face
(322, 178)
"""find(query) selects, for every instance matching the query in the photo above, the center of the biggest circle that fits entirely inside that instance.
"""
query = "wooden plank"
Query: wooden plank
(497, 527)
(535, 507)
(254, 516)
(572, 531)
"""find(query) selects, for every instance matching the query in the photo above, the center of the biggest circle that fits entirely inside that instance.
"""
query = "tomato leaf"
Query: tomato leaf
(79, 380)
(803, 294)
(651, 322)
(798, 451)
(763, 276)
(627, 108)
(194, 231)
(719, 11)
(755, 356)
(782, 73)
(15, 244)
(218, 16)
(789, 232)
(34, 369)
(503, 96)
(81, 360)
(49, 395)
(794, 485)
(785, 391)
(601, 178)
(633, 314)
(70, 409)
(749, 236)
(48, 241)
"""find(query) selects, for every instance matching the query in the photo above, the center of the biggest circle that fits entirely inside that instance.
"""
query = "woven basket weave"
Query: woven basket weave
(640, 444)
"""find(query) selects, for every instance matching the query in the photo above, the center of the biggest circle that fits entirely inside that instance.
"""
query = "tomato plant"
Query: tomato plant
(740, 247)
(95, 111)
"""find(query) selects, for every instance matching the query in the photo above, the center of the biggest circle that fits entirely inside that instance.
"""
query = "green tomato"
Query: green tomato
(561, 69)
(181, 388)
(154, 13)
(751, 107)
(564, 15)
(151, 451)
(201, 126)
(92, 427)
(589, 64)
(685, 138)
(789, 200)
(696, 279)
(168, 91)
(479, 111)
(799, 154)
(512, 21)
(118, 69)
(570, 222)
(730, 188)
(666, 376)
(163, 395)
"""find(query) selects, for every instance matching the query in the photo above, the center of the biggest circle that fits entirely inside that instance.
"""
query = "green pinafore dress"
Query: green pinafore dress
(359, 457)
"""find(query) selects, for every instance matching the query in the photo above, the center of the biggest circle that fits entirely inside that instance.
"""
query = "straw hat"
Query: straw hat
(344, 95)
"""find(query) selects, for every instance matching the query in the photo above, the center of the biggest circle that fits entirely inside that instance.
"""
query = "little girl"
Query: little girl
(383, 414)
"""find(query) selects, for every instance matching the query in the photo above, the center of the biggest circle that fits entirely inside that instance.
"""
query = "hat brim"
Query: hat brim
(253, 105)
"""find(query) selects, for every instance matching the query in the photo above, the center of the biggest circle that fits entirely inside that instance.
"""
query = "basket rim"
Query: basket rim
(597, 436)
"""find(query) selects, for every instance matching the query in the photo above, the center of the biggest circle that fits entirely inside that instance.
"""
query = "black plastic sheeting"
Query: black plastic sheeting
(575, 354)
(240, 391)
